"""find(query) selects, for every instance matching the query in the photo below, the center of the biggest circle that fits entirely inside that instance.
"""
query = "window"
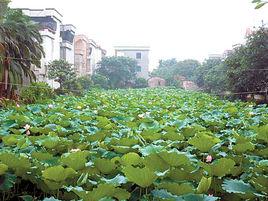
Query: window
(138, 55)
(139, 69)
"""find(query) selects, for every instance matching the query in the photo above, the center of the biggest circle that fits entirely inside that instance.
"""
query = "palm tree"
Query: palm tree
(20, 49)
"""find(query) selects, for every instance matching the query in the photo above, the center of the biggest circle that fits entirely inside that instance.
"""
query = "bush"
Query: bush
(100, 81)
(36, 92)
(85, 82)
(140, 83)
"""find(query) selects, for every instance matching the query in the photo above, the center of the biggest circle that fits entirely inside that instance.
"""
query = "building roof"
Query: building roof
(42, 12)
(132, 48)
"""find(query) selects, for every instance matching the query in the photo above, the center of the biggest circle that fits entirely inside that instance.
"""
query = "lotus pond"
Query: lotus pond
(150, 144)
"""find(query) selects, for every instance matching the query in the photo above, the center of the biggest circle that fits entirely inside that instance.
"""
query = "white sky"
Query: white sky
(181, 29)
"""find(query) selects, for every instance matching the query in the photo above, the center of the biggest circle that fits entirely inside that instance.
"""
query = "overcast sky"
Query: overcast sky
(181, 29)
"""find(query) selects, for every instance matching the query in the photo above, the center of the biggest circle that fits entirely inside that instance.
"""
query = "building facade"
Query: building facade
(95, 55)
(140, 54)
(87, 55)
(49, 20)
(57, 40)
(67, 33)
(81, 55)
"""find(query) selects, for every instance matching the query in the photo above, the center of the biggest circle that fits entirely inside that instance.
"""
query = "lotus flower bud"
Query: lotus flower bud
(209, 159)
(27, 127)
(28, 132)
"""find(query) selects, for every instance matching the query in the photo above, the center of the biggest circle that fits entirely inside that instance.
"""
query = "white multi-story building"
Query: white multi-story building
(95, 55)
(57, 39)
(67, 34)
(140, 53)
(49, 20)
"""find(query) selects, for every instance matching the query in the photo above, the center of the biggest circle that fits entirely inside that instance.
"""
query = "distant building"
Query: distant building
(81, 52)
(215, 56)
(96, 53)
(156, 82)
(140, 53)
(67, 33)
(87, 55)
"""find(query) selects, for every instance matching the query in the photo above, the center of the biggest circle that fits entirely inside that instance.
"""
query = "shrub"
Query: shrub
(100, 81)
(85, 82)
(140, 83)
(36, 92)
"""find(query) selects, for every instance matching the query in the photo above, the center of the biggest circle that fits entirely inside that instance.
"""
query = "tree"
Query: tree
(247, 65)
(171, 68)
(62, 72)
(100, 81)
(187, 68)
(20, 49)
(165, 70)
(140, 83)
(202, 70)
(120, 71)
(215, 79)
(259, 3)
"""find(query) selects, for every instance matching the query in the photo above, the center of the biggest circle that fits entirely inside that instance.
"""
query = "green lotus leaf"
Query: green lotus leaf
(116, 181)
(262, 133)
(150, 149)
(203, 141)
(105, 166)
(175, 188)
(131, 159)
(204, 185)
(76, 160)
(155, 163)
(102, 191)
(243, 147)
(7, 181)
(237, 186)
(143, 177)
(173, 136)
(27, 198)
(58, 173)
(49, 142)
(164, 195)
(174, 158)
(220, 167)
(51, 199)
(15, 162)
(3, 169)
(11, 139)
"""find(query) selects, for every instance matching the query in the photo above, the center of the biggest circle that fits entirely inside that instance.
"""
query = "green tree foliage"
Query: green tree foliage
(62, 72)
(203, 69)
(211, 76)
(165, 71)
(247, 65)
(36, 92)
(100, 81)
(215, 79)
(120, 71)
(85, 82)
(259, 3)
(171, 68)
(20, 49)
(140, 83)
